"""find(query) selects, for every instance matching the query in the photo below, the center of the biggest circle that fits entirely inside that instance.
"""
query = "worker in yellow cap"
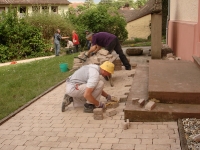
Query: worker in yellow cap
(84, 87)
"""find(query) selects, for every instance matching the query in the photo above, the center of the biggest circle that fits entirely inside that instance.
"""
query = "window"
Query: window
(45, 8)
(22, 10)
(36, 8)
(54, 9)
(2, 9)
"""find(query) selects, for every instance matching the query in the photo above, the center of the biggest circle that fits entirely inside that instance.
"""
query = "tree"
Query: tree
(88, 3)
(101, 18)
(141, 3)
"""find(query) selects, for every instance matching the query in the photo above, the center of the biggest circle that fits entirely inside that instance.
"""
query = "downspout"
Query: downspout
(168, 18)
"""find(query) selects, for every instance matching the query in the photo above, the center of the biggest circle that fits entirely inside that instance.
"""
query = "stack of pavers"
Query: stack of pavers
(100, 57)
(118, 64)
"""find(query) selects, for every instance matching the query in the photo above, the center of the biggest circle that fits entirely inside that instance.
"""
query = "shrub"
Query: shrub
(19, 39)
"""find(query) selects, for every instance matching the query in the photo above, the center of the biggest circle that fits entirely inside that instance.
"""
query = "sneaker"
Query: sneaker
(88, 108)
(66, 101)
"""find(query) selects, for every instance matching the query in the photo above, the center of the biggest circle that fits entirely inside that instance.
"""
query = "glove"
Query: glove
(101, 105)
(108, 97)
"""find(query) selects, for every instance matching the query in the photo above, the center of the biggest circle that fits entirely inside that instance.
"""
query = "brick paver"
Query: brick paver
(42, 126)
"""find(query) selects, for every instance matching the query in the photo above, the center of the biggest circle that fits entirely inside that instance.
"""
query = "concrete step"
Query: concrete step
(162, 112)
(174, 81)
(171, 82)
(197, 60)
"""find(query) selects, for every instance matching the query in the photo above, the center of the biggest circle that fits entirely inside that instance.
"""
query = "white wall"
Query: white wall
(139, 28)
(184, 10)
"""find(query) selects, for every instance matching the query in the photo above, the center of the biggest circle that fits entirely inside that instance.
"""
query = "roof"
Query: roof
(131, 15)
(33, 2)
(74, 5)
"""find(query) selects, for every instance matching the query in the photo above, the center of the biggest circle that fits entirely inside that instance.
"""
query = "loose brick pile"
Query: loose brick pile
(100, 57)
(149, 105)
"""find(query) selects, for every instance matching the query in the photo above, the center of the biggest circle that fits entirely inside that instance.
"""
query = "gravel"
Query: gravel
(191, 128)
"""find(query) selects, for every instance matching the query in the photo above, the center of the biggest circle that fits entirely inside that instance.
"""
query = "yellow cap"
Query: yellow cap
(108, 66)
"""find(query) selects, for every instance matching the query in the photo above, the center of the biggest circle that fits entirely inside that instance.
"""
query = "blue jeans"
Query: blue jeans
(57, 49)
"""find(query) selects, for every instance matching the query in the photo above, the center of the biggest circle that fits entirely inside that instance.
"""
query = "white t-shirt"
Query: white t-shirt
(70, 44)
(88, 74)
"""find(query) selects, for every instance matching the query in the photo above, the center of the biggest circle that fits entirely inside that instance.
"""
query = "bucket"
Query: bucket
(63, 67)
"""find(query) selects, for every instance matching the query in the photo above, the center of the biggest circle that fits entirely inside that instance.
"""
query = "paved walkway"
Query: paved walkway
(25, 61)
(42, 126)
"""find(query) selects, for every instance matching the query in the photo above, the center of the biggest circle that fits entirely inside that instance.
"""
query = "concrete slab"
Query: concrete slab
(174, 81)
(139, 88)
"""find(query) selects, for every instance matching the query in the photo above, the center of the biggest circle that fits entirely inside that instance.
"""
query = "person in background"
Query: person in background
(110, 42)
(75, 40)
(57, 38)
(88, 43)
(85, 87)
(69, 47)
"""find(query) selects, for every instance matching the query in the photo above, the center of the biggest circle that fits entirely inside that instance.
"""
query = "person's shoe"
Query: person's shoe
(88, 108)
(128, 68)
(66, 101)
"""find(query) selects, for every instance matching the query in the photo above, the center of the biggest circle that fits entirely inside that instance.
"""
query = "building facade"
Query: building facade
(184, 28)
(139, 28)
(32, 6)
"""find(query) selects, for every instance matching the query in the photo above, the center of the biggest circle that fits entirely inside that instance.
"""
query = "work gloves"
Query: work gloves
(108, 97)
(101, 105)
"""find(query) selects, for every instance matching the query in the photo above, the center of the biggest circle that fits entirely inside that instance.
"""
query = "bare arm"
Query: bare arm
(94, 49)
(104, 94)
(64, 37)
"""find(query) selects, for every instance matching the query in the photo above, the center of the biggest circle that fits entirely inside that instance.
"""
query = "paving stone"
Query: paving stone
(111, 112)
(112, 105)
(123, 146)
(106, 146)
(109, 56)
(132, 141)
(124, 125)
(150, 105)
(103, 52)
(89, 146)
(19, 147)
(108, 140)
(76, 60)
(98, 117)
(98, 111)
(74, 145)
(141, 102)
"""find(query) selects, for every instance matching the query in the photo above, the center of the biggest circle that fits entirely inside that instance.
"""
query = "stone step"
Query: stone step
(197, 60)
(174, 81)
(161, 112)
(170, 82)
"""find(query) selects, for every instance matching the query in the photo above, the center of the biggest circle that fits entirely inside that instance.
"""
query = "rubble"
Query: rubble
(100, 57)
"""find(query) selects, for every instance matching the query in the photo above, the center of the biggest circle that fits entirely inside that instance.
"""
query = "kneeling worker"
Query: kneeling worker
(84, 86)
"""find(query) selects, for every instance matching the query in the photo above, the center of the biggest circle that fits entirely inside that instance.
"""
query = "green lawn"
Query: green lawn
(20, 83)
